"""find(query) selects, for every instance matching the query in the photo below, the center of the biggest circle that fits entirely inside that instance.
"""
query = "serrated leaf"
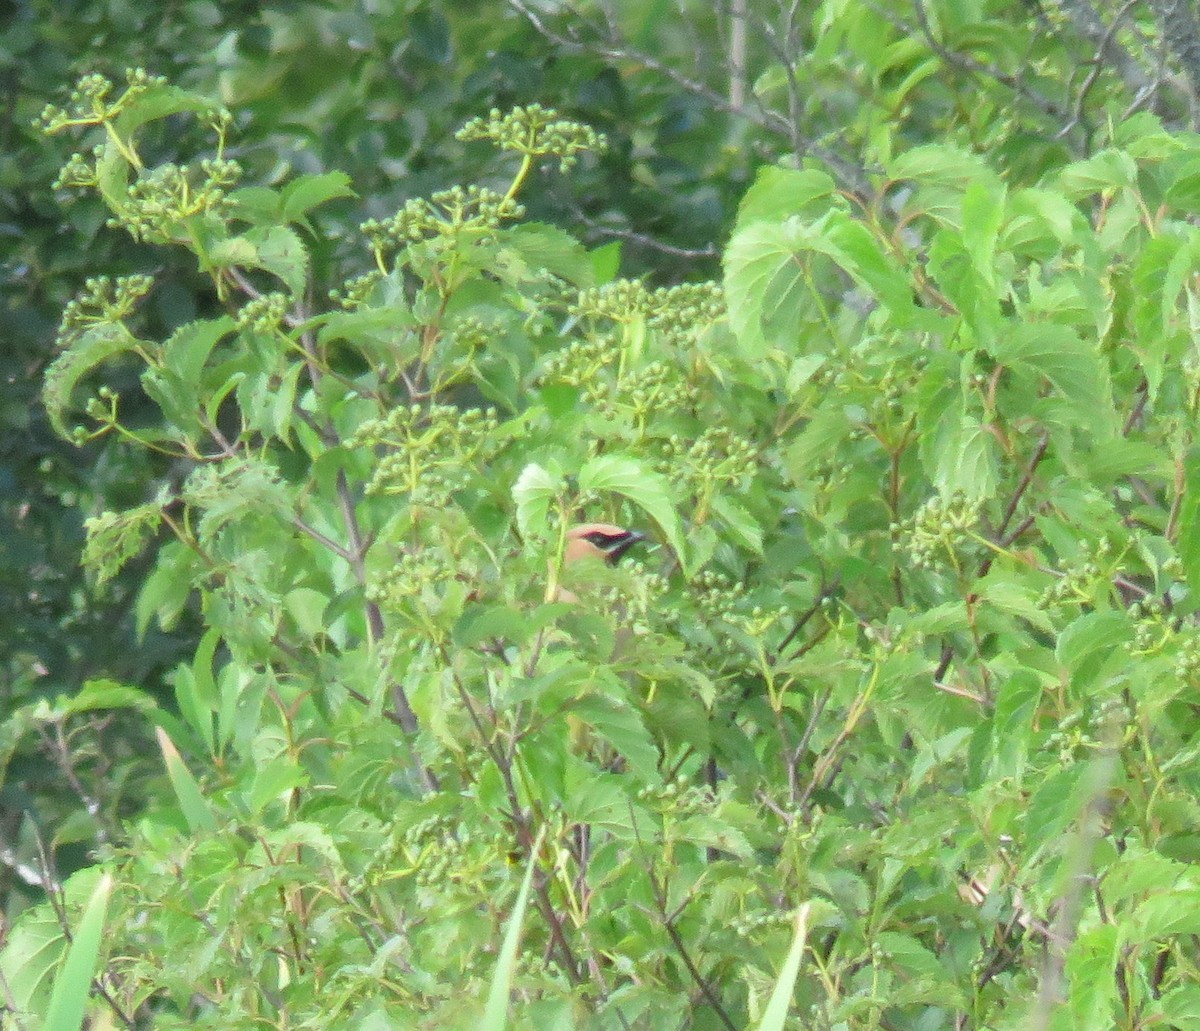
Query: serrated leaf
(1071, 364)
(90, 349)
(1188, 538)
(622, 727)
(306, 192)
(188, 348)
(546, 248)
(535, 488)
(778, 193)
(744, 526)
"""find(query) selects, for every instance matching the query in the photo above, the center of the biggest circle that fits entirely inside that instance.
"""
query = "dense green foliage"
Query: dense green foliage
(913, 646)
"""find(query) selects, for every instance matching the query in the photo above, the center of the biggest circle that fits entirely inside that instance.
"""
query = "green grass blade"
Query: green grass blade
(781, 998)
(73, 984)
(495, 1015)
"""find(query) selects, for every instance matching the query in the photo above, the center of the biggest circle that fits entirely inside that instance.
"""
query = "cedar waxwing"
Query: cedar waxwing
(601, 540)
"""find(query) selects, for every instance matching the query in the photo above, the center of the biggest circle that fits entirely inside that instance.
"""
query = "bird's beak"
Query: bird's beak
(613, 554)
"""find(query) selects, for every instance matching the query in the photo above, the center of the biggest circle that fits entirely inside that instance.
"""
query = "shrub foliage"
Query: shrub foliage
(913, 643)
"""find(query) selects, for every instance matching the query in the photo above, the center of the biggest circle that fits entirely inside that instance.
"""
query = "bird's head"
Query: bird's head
(599, 540)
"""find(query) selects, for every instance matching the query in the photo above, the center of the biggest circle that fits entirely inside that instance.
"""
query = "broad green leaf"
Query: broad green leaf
(188, 348)
(546, 248)
(306, 192)
(1107, 170)
(741, 522)
(982, 216)
(1073, 365)
(1092, 958)
(778, 193)
(535, 488)
(621, 726)
(629, 477)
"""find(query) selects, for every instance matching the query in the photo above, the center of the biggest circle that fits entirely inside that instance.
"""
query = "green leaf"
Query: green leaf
(778, 193)
(533, 492)
(1071, 364)
(87, 351)
(744, 526)
(495, 1013)
(546, 248)
(186, 351)
(191, 800)
(306, 192)
(776, 1013)
(628, 477)
(621, 726)
(1188, 538)
(73, 984)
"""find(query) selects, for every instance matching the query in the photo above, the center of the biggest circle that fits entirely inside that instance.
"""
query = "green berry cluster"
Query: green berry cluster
(162, 198)
(428, 450)
(1079, 734)
(679, 312)
(679, 797)
(356, 292)
(620, 301)
(676, 312)
(640, 394)
(88, 103)
(443, 851)
(715, 460)
(103, 301)
(472, 211)
(407, 579)
(1079, 581)
(941, 525)
(535, 132)
(1187, 659)
(1154, 626)
(263, 314)
(581, 363)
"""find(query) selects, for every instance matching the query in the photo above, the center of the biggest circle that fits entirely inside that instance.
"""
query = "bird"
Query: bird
(599, 540)
(589, 542)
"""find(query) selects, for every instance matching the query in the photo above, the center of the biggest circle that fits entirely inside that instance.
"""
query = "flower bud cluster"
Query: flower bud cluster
(679, 797)
(446, 851)
(104, 300)
(169, 194)
(535, 131)
(640, 394)
(88, 103)
(939, 525)
(718, 458)
(458, 211)
(429, 451)
(1079, 581)
(354, 293)
(677, 312)
(263, 314)
(1154, 626)
(1079, 733)
(582, 363)
(407, 579)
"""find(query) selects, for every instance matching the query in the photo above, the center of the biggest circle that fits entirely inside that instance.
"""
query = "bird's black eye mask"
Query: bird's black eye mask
(614, 545)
